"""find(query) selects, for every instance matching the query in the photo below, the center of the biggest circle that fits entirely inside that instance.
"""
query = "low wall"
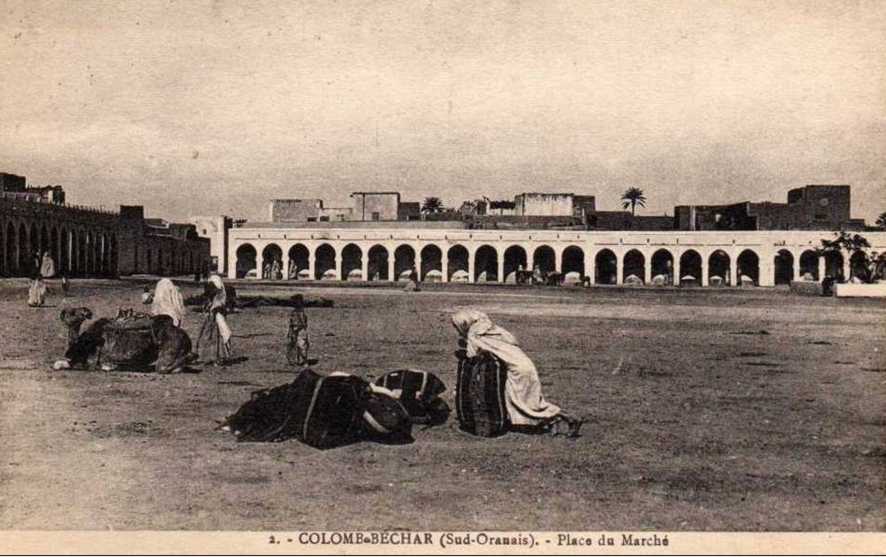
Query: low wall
(806, 288)
(849, 290)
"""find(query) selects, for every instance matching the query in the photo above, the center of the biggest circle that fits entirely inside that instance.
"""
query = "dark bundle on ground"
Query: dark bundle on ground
(320, 411)
(291, 302)
(419, 392)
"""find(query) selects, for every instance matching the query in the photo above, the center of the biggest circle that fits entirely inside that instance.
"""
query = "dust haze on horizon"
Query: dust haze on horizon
(211, 108)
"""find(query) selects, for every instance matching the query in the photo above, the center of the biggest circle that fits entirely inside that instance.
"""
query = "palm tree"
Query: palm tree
(881, 220)
(633, 197)
(432, 205)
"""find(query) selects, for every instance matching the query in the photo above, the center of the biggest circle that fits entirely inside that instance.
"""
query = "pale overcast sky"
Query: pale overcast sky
(193, 107)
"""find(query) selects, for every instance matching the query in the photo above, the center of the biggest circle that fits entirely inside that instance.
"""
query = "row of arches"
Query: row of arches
(488, 264)
(76, 250)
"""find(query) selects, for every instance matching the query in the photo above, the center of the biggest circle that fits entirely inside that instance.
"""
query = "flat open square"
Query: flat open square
(708, 410)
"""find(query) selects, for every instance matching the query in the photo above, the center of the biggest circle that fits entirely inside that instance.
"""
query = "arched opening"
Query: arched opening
(324, 263)
(690, 268)
(22, 253)
(544, 259)
(113, 256)
(431, 260)
(833, 265)
(748, 266)
(605, 267)
(573, 262)
(44, 240)
(272, 262)
(634, 267)
(486, 264)
(809, 265)
(515, 260)
(784, 267)
(33, 248)
(404, 261)
(298, 260)
(246, 259)
(352, 263)
(858, 266)
(662, 268)
(457, 267)
(718, 268)
(11, 250)
(54, 248)
(378, 263)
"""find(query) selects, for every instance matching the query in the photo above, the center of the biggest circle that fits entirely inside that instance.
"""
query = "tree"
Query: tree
(432, 205)
(881, 220)
(871, 266)
(633, 197)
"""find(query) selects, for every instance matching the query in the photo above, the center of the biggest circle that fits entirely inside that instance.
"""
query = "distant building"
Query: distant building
(216, 230)
(156, 246)
(379, 205)
(815, 207)
(553, 205)
(15, 187)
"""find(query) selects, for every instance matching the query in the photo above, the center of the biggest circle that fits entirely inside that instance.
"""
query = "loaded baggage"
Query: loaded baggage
(321, 411)
(480, 395)
(128, 342)
(419, 392)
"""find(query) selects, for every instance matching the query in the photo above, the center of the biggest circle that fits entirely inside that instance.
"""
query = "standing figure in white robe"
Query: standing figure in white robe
(525, 402)
(168, 301)
(218, 308)
(47, 266)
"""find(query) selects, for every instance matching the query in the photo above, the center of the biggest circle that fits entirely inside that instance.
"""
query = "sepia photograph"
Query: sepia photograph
(438, 276)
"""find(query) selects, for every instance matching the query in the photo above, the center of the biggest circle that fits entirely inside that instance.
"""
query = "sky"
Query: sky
(215, 107)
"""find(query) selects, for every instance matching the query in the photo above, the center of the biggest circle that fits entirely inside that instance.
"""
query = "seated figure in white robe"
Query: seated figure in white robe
(525, 402)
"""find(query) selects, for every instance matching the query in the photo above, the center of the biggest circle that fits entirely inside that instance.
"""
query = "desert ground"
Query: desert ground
(707, 410)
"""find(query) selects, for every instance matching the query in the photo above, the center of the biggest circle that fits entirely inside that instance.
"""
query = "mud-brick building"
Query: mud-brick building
(158, 247)
(85, 241)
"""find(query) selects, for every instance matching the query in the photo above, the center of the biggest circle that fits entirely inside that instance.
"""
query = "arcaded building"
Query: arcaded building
(765, 244)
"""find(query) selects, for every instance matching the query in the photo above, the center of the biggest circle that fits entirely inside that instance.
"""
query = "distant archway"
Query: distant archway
(431, 260)
(299, 260)
(246, 260)
(515, 260)
(748, 265)
(324, 260)
(809, 265)
(719, 266)
(457, 258)
(351, 260)
(690, 268)
(605, 267)
(784, 267)
(663, 265)
(634, 264)
(486, 264)
(378, 263)
(404, 260)
(573, 261)
(544, 259)
(272, 262)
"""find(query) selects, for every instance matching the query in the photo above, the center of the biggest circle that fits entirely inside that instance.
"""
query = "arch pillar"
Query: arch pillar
(312, 261)
(822, 268)
(259, 262)
(847, 266)
(733, 269)
(418, 261)
(704, 268)
(364, 263)
(392, 259)
(471, 266)
(767, 270)
(284, 262)
(677, 272)
(619, 268)
(530, 258)
(591, 265)
(501, 265)
(647, 268)
(558, 260)
(444, 263)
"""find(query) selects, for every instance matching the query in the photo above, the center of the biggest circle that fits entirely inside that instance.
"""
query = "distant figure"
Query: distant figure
(47, 266)
(37, 292)
(215, 323)
(412, 282)
(297, 338)
(168, 301)
(147, 296)
(537, 276)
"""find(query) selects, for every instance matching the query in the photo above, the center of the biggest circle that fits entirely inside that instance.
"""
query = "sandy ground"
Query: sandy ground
(697, 420)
